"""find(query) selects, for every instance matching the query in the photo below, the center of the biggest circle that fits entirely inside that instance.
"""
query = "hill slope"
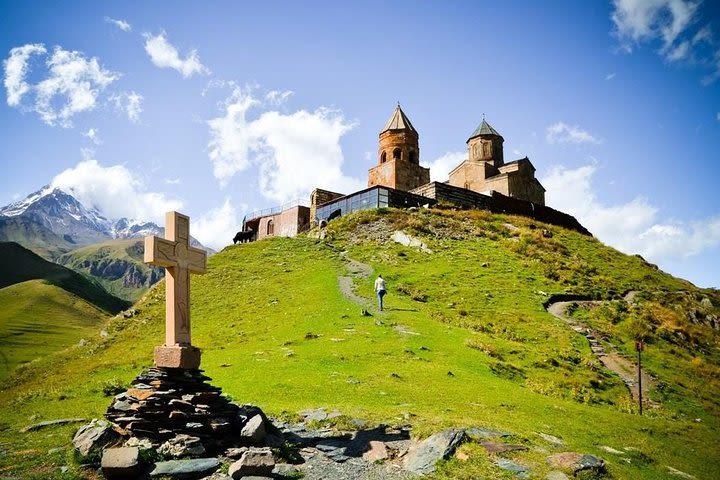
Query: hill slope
(18, 264)
(117, 265)
(38, 319)
(465, 341)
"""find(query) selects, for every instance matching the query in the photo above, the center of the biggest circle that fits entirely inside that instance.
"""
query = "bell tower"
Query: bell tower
(398, 156)
(486, 145)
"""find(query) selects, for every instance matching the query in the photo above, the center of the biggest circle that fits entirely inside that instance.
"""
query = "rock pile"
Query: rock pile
(178, 408)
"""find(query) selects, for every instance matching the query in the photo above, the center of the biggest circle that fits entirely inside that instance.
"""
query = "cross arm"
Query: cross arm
(160, 252)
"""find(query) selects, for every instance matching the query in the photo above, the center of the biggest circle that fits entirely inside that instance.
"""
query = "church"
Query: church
(483, 180)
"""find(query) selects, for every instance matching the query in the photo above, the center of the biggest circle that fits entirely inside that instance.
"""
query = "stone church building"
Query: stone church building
(483, 180)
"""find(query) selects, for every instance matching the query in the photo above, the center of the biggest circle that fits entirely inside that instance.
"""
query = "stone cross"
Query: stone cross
(179, 259)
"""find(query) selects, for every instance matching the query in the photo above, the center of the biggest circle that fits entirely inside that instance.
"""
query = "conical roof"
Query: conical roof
(484, 129)
(398, 121)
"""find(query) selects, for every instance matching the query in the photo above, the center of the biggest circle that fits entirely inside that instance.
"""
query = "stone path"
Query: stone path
(347, 282)
(613, 361)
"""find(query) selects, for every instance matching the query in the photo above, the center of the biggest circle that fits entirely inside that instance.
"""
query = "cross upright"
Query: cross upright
(179, 259)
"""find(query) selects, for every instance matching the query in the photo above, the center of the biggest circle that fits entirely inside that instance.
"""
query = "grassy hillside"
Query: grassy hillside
(18, 264)
(35, 236)
(38, 319)
(117, 265)
(465, 341)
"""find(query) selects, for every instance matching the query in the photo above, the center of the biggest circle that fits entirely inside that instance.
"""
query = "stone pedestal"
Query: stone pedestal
(177, 356)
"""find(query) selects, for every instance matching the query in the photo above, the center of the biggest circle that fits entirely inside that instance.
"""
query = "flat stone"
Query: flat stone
(182, 445)
(378, 451)
(191, 468)
(493, 447)
(254, 430)
(95, 435)
(48, 423)
(439, 446)
(575, 462)
(511, 466)
(611, 450)
(121, 462)
(681, 474)
(552, 439)
(254, 461)
(317, 414)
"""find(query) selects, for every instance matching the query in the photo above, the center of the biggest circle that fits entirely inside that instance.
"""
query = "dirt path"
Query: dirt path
(346, 282)
(626, 369)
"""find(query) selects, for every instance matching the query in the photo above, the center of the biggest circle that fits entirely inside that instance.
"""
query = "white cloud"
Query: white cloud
(441, 166)
(115, 191)
(672, 23)
(632, 227)
(172, 181)
(217, 227)
(121, 24)
(72, 84)
(516, 152)
(294, 152)
(92, 134)
(16, 67)
(563, 133)
(164, 55)
(128, 103)
(277, 98)
(610, 76)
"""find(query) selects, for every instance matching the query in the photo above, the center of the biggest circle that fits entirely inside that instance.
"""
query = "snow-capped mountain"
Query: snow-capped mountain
(64, 215)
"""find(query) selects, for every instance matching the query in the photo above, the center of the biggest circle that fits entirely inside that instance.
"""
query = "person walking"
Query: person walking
(380, 289)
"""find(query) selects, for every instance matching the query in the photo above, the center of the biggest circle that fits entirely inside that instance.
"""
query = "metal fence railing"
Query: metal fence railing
(275, 210)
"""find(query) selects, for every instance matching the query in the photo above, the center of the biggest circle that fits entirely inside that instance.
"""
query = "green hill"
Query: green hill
(117, 265)
(38, 319)
(18, 264)
(465, 341)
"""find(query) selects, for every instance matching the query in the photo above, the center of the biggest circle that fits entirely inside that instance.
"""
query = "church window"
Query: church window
(396, 154)
(383, 157)
(411, 157)
(270, 227)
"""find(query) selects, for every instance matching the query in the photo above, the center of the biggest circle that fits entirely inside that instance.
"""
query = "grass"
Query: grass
(20, 264)
(38, 318)
(461, 344)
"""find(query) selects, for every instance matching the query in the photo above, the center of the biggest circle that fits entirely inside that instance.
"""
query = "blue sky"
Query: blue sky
(219, 108)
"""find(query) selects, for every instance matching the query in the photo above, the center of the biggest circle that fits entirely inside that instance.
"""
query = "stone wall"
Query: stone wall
(398, 174)
(498, 203)
(287, 223)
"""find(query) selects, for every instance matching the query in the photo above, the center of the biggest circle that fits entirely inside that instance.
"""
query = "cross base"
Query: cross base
(177, 356)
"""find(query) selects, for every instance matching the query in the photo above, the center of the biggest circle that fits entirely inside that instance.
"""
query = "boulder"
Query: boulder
(556, 475)
(182, 445)
(123, 462)
(185, 469)
(442, 445)
(254, 430)
(95, 435)
(576, 462)
(254, 461)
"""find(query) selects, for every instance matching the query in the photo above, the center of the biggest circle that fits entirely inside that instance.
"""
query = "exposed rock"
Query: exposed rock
(678, 473)
(441, 445)
(254, 430)
(143, 443)
(378, 451)
(182, 445)
(509, 465)
(575, 462)
(404, 239)
(552, 439)
(121, 462)
(611, 450)
(191, 468)
(62, 421)
(254, 461)
(97, 434)
(493, 447)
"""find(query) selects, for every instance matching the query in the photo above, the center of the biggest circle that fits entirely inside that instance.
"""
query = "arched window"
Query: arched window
(383, 157)
(396, 154)
(270, 228)
(411, 157)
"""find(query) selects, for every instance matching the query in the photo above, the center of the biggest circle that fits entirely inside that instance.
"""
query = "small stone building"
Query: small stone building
(485, 170)
(278, 222)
